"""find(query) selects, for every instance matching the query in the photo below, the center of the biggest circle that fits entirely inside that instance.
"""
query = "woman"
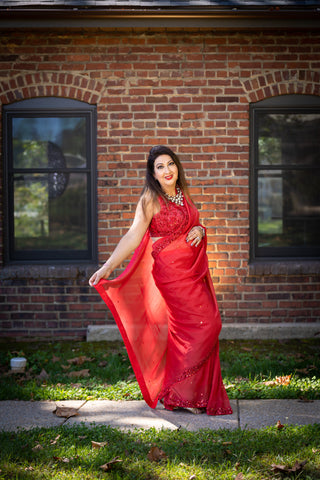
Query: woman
(164, 302)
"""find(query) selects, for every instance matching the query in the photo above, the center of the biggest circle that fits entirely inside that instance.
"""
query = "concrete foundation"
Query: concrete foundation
(233, 331)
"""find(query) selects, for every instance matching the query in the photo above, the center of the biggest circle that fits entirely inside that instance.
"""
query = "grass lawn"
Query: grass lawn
(81, 371)
(67, 453)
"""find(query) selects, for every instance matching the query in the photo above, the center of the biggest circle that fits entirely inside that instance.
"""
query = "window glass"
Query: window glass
(288, 208)
(49, 147)
(285, 177)
(50, 211)
(289, 139)
(49, 142)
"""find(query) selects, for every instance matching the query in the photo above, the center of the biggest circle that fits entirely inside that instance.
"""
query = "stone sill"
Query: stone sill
(281, 267)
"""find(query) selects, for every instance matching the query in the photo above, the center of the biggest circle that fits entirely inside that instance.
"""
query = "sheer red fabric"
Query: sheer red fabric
(165, 307)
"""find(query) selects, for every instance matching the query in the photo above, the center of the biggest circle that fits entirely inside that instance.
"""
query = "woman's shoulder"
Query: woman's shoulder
(150, 203)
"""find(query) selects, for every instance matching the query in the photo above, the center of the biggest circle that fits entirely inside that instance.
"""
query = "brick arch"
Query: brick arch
(49, 84)
(282, 82)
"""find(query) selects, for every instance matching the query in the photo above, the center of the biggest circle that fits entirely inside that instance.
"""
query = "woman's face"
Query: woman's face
(166, 172)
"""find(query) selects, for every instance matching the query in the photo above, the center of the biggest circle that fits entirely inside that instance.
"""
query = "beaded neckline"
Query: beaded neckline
(177, 198)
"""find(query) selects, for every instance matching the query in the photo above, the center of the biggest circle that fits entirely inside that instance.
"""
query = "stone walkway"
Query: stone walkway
(247, 414)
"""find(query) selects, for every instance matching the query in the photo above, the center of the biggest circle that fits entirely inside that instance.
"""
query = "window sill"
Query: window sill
(284, 267)
(47, 271)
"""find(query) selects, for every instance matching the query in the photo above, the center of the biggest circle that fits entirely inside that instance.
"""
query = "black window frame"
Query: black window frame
(293, 103)
(49, 107)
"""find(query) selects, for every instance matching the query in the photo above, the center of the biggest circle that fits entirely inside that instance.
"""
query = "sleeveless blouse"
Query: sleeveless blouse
(168, 224)
(168, 220)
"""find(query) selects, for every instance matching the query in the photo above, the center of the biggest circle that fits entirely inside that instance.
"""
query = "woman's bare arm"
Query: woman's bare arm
(128, 243)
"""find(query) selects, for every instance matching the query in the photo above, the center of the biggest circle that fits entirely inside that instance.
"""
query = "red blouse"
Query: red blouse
(170, 219)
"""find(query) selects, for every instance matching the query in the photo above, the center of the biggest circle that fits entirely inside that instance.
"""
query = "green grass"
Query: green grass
(246, 367)
(66, 453)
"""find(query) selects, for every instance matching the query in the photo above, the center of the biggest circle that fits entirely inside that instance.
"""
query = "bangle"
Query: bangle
(202, 230)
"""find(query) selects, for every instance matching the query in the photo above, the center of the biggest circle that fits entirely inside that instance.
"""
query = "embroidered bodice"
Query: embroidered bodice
(169, 220)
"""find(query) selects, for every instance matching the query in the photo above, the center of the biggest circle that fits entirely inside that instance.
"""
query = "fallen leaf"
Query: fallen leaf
(103, 363)
(107, 466)
(63, 459)
(29, 469)
(55, 359)
(298, 466)
(285, 380)
(79, 360)
(239, 476)
(53, 442)
(37, 447)
(66, 412)
(82, 437)
(156, 454)
(98, 444)
(279, 425)
(80, 373)
(65, 367)
(226, 443)
(43, 375)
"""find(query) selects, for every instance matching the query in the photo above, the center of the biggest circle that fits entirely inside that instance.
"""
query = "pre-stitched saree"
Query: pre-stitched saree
(165, 307)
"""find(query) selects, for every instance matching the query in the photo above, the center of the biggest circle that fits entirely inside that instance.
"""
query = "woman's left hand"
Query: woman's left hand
(195, 235)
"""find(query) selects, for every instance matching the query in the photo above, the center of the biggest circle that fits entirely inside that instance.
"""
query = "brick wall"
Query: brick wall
(190, 89)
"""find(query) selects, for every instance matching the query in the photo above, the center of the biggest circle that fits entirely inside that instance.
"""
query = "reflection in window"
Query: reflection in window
(50, 174)
(285, 175)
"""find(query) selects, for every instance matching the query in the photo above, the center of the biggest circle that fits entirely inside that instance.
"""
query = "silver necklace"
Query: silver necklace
(177, 199)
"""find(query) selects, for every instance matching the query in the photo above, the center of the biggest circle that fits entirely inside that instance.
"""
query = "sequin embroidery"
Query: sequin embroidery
(168, 223)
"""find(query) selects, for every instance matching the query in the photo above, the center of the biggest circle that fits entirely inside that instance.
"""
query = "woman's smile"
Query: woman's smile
(166, 172)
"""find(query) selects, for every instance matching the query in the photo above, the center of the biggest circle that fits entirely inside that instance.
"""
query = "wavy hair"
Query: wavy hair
(152, 187)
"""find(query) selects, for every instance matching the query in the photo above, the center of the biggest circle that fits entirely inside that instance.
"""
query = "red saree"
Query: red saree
(165, 307)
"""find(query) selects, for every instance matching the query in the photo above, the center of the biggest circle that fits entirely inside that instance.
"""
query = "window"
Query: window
(285, 177)
(49, 161)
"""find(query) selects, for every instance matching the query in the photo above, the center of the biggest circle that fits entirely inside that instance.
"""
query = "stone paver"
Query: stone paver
(262, 413)
(129, 415)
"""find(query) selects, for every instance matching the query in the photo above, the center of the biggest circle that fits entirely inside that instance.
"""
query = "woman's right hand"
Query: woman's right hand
(103, 272)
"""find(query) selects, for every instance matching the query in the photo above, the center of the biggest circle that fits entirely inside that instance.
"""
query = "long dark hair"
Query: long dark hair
(152, 186)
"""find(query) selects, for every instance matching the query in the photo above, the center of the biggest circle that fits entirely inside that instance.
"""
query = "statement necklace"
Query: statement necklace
(177, 199)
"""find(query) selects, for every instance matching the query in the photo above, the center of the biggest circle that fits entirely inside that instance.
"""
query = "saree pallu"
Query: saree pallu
(165, 307)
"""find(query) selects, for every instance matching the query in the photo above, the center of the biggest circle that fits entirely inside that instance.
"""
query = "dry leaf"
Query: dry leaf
(63, 459)
(37, 447)
(29, 469)
(226, 443)
(98, 444)
(279, 425)
(53, 442)
(279, 381)
(156, 454)
(79, 360)
(65, 367)
(80, 373)
(298, 466)
(107, 466)
(66, 412)
(239, 476)
(43, 375)
(55, 359)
